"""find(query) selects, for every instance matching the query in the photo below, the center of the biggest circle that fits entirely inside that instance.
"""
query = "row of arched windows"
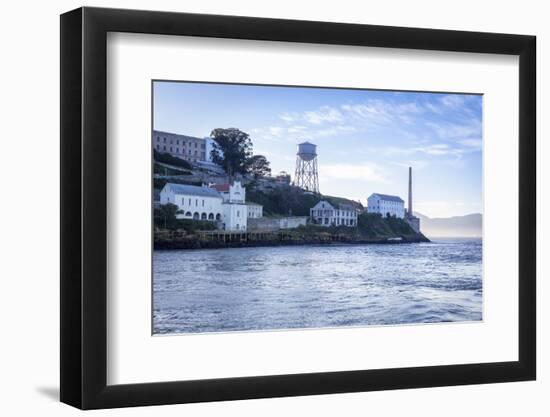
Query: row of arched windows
(203, 216)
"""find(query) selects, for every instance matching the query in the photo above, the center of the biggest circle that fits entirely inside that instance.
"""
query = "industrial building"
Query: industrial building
(386, 205)
(394, 206)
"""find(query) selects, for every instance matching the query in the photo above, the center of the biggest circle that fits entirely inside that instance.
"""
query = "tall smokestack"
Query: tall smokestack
(410, 211)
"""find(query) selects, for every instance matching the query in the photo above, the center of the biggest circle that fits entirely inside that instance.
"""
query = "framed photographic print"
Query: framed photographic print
(257, 207)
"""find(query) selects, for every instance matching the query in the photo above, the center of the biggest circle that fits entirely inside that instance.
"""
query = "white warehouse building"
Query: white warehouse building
(386, 204)
(222, 203)
(327, 214)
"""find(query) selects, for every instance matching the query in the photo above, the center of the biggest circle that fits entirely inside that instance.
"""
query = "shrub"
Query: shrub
(166, 158)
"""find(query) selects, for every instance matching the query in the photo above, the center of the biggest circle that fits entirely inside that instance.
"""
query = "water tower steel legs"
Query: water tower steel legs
(306, 175)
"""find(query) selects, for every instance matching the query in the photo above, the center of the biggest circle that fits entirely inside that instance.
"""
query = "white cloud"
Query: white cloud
(471, 143)
(287, 117)
(324, 114)
(300, 132)
(453, 100)
(415, 164)
(453, 131)
(437, 149)
(433, 108)
(357, 172)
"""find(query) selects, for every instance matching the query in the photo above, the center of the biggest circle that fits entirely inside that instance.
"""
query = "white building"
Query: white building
(222, 203)
(386, 204)
(232, 193)
(235, 213)
(255, 211)
(327, 214)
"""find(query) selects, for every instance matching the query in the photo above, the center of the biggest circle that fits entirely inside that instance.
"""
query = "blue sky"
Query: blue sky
(366, 139)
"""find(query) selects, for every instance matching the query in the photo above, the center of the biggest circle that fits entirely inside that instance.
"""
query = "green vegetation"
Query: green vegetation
(163, 170)
(289, 200)
(258, 166)
(168, 159)
(232, 149)
(370, 226)
(284, 201)
(373, 225)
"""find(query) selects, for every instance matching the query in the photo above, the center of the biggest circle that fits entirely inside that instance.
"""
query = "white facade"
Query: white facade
(386, 204)
(196, 203)
(255, 211)
(206, 203)
(326, 214)
(234, 216)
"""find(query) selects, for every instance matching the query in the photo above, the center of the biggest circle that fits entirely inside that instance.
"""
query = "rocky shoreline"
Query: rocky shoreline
(195, 242)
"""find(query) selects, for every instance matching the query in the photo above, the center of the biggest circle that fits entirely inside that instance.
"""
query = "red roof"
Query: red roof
(222, 188)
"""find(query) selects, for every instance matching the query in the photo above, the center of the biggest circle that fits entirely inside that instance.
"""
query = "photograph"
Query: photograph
(300, 207)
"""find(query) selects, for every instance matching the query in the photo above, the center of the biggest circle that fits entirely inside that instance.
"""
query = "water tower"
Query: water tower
(306, 176)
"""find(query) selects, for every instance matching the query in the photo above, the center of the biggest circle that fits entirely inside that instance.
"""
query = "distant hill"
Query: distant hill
(457, 226)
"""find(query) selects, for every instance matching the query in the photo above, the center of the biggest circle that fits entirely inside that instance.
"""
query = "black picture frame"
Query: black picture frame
(84, 207)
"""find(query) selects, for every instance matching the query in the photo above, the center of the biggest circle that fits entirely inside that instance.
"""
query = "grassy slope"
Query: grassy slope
(291, 200)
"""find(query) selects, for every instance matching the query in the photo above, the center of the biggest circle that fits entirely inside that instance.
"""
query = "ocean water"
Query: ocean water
(292, 287)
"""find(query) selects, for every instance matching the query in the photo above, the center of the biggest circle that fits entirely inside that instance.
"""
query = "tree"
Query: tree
(258, 166)
(231, 150)
(165, 216)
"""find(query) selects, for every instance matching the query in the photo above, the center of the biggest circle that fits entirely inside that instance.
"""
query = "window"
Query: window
(164, 146)
(183, 201)
(203, 202)
(196, 202)
(238, 213)
(164, 140)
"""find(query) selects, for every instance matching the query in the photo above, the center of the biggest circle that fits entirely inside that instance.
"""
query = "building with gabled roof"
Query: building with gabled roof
(226, 206)
(386, 205)
(327, 214)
